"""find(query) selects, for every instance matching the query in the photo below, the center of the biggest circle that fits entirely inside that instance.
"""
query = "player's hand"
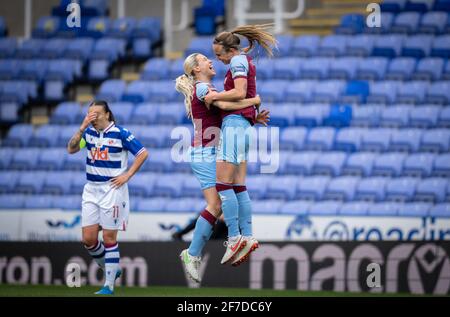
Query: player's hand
(209, 98)
(118, 181)
(87, 120)
(263, 117)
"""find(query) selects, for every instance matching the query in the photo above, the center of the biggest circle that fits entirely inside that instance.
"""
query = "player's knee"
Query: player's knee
(109, 240)
(215, 209)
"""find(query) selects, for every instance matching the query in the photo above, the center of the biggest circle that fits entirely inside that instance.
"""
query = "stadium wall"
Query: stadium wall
(379, 267)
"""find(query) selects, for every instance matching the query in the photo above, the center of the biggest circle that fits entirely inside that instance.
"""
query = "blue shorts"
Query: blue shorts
(234, 140)
(203, 164)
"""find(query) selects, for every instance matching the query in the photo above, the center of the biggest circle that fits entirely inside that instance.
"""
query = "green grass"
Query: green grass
(160, 291)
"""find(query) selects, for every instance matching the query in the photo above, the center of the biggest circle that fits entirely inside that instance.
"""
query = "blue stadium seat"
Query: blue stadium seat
(384, 209)
(361, 44)
(57, 183)
(46, 27)
(121, 27)
(443, 5)
(286, 68)
(348, 139)
(64, 113)
(305, 46)
(373, 68)
(312, 188)
(371, 189)
(356, 91)
(111, 90)
(338, 116)
(144, 114)
(431, 190)
(200, 45)
(168, 185)
(441, 46)
(446, 73)
(45, 136)
(301, 162)
(75, 162)
(8, 181)
(295, 207)
(406, 140)
(142, 184)
(440, 210)
(320, 139)
(137, 91)
(67, 202)
(299, 91)
(438, 93)
(10, 69)
(310, 115)
(257, 186)
(419, 5)
(54, 48)
(148, 28)
(293, 138)
(389, 164)
(418, 165)
(414, 209)
(387, 19)
(325, 208)
(354, 208)
(153, 136)
(330, 164)
(222, 69)
(191, 187)
(30, 183)
(69, 130)
(283, 188)
(51, 159)
(273, 90)
(159, 160)
(417, 46)
(344, 68)
(162, 91)
(172, 114)
(444, 118)
(342, 188)
(350, 24)
(265, 68)
(25, 159)
(29, 48)
(359, 164)
(400, 68)
(328, 91)
(122, 111)
(156, 69)
(98, 26)
(435, 140)
(442, 165)
(315, 68)
(424, 116)
(77, 183)
(156, 204)
(388, 45)
(401, 189)
(406, 22)
(6, 155)
(430, 68)
(412, 92)
(18, 135)
(433, 22)
(3, 28)
(384, 92)
(376, 140)
(79, 48)
(270, 206)
(283, 116)
(395, 117)
(332, 45)
(367, 116)
(12, 201)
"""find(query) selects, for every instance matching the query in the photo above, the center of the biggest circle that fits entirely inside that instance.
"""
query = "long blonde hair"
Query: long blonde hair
(185, 83)
(253, 33)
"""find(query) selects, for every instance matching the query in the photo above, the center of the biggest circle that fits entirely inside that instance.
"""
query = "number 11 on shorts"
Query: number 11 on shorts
(115, 211)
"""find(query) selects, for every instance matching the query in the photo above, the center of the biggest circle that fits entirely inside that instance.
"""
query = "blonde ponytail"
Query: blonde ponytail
(185, 83)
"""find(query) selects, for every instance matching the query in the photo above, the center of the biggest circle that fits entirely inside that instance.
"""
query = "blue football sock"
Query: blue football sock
(202, 232)
(230, 208)
(245, 210)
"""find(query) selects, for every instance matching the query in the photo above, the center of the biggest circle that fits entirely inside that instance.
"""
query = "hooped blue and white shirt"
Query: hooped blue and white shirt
(107, 152)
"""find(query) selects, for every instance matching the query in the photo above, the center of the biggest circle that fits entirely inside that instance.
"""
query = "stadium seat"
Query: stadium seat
(284, 188)
(14, 201)
(191, 187)
(8, 180)
(329, 164)
(371, 189)
(367, 116)
(430, 68)
(438, 93)
(46, 27)
(354, 208)
(341, 188)
(168, 185)
(356, 91)
(312, 188)
(414, 209)
(412, 92)
(431, 190)
(295, 207)
(320, 139)
(265, 68)
(141, 184)
(184, 205)
(75, 162)
(442, 165)
(310, 115)
(301, 162)
(406, 140)
(435, 140)
(122, 111)
(7, 47)
(338, 116)
(405, 22)
(417, 46)
(77, 183)
(159, 161)
(51, 159)
(384, 92)
(389, 164)
(156, 204)
(401, 189)
(325, 208)
(361, 44)
(395, 117)
(350, 24)
(419, 165)
(111, 90)
(441, 46)
(64, 113)
(328, 91)
(332, 45)
(45, 136)
(293, 138)
(444, 118)
(270, 206)
(67, 202)
(156, 69)
(283, 116)
(376, 140)
(359, 164)
(384, 209)
(315, 68)
(24, 159)
(286, 68)
(440, 210)
(299, 91)
(388, 45)
(57, 183)
(305, 46)
(257, 186)
(30, 183)
(400, 68)
(424, 116)
(144, 114)
(79, 48)
(18, 135)
(348, 139)
(200, 45)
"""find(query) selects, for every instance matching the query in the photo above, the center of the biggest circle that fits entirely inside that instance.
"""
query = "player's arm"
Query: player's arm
(236, 105)
(74, 144)
(125, 177)
(237, 93)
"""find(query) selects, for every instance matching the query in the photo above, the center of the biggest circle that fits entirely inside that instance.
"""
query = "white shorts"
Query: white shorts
(105, 206)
